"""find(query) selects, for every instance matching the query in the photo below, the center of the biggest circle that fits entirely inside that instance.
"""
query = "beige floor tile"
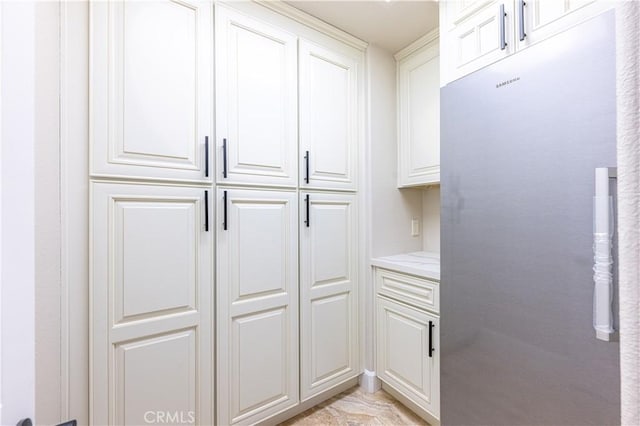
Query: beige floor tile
(355, 407)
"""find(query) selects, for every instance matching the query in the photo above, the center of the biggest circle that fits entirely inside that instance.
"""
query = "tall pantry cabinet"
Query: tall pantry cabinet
(151, 239)
(287, 125)
(225, 155)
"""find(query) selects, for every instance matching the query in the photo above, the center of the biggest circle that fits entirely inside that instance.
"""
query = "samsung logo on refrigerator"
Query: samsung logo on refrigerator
(506, 82)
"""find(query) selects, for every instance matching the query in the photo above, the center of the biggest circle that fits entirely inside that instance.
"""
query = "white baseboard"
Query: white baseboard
(369, 382)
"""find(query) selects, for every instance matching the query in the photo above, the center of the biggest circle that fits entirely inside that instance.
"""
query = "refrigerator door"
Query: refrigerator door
(520, 142)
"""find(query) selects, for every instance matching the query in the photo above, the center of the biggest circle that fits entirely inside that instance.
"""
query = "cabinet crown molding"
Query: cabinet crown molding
(313, 22)
(429, 37)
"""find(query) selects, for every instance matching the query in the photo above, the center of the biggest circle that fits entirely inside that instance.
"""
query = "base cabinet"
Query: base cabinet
(408, 357)
(151, 289)
(328, 291)
(257, 304)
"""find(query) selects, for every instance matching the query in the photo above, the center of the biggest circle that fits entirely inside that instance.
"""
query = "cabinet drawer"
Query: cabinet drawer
(419, 292)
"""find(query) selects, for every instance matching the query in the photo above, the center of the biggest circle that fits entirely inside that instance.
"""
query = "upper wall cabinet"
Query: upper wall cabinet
(256, 101)
(476, 33)
(479, 39)
(540, 19)
(151, 89)
(419, 113)
(328, 117)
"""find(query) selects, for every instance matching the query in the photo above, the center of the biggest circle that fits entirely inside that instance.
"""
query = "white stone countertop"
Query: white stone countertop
(421, 263)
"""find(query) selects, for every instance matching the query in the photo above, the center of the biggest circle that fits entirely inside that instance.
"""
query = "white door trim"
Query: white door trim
(74, 205)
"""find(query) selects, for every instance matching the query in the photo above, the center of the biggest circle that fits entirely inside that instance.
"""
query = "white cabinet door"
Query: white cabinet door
(257, 297)
(404, 360)
(476, 42)
(419, 117)
(256, 101)
(151, 304)
(328, 118)
(542, 19)
(459, 10)
(328, 291)
(151, 81)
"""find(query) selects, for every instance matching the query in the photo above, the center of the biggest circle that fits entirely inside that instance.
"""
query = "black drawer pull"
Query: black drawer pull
(431, 339)
(206, 156)
(224, 158)
(206, 211)
(224, 200)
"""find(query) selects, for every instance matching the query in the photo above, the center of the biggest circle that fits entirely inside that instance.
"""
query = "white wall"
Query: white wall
(392, 209)
(431, 219)
(17, 356)
(47, 219)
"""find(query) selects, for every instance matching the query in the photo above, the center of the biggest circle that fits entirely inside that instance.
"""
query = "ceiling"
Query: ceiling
(391, 25)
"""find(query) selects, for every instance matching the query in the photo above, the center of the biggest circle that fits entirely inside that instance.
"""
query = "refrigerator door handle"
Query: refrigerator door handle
(603, 230)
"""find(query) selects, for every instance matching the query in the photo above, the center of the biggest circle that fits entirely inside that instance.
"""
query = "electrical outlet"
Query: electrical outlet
(415, 227)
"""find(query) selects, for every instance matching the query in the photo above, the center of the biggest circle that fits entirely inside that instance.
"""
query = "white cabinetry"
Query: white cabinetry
(328, 290)
(408, 359)
(152, 325)
(419, 112)
(408, 342)
(476, 33)
(273, 347)
(328, 116)
(257, 304)
(151, 89)
(151, 245)
(477, 41)
(256, 101)
(153, 290)
(543, 18)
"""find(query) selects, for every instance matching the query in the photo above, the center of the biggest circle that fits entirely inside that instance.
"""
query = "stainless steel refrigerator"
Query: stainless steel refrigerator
(520, 140)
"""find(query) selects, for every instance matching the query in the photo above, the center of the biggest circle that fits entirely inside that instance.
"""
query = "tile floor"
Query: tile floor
(354, 407)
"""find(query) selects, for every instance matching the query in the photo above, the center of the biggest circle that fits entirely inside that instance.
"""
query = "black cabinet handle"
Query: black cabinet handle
(224, 158)
(206, 156)
(503, 41)
(206, 211)
(431, 339)
(306, 201)
(521, 19)
(306, 162)
(224, 201)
